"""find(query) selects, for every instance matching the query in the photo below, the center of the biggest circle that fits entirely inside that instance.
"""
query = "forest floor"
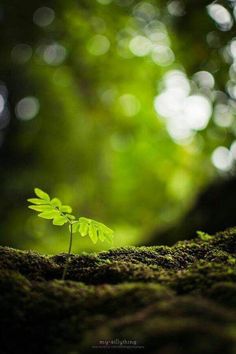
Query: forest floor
(165, 300)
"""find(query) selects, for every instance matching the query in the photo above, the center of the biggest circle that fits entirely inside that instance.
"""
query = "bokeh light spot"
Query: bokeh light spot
(140, 46)
(162, 55)
(223, 115)
(156, 32)
(99, 45)
(99, 25)
(130, 105)
(27, 108)
(176, 8)
(233, 149)
(54, 54)
(2, 103)
(232, 72)
(222, 158)
(179, 131)
(197, 110)
(43, 16)
(221, 16)
(108, 96)
(184, 113)
(21, 53)
(177, 80)
(144, 11)
(233, 48)
(204, 79)
(231, 88)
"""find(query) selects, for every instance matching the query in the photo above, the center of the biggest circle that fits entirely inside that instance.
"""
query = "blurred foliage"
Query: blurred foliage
(82, 111)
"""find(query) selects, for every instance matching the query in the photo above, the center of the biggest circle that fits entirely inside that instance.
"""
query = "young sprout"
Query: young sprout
(60, 214)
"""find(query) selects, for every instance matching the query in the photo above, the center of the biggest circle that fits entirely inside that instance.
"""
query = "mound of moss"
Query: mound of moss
(167, 300)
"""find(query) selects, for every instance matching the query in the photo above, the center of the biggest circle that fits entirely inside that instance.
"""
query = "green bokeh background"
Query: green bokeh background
(97, 142)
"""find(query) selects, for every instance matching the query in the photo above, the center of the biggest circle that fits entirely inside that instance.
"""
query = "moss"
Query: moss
(169, 300)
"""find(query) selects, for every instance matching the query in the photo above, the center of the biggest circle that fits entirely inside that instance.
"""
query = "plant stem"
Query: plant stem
(68, 254)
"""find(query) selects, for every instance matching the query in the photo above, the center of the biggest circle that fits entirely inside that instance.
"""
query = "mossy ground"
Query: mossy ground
(167, 300)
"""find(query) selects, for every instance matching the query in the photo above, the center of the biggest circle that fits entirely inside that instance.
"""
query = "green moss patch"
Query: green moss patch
(167, 300)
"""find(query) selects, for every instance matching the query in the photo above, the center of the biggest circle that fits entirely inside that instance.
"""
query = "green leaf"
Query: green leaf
(101, 236)
(56, 202)
(49, 214)
(84, 226)
(83, 219)
(104, 232)
(93, 232)
(105, 229)
(59, 220)
(75, 226)
(41, 208)
(94, 229)
(41, 194)
(37, 201)
(66, 209)
(61, 214)
(108, 237)
(69, 216)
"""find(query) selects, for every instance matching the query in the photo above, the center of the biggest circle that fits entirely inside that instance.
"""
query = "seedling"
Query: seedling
(62, 214)
(204, 236)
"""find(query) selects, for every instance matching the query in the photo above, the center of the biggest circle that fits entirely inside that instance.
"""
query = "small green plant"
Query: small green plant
(204, 236)
(62, 214)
